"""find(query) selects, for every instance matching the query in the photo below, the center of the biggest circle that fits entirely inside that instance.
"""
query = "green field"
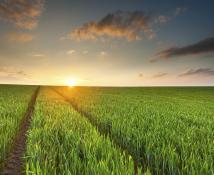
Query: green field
(13, 105)
(92, 130)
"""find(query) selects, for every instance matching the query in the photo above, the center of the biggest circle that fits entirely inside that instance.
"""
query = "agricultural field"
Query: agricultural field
(13, 105)
(91, 130)
(61, 141)
(165, 130)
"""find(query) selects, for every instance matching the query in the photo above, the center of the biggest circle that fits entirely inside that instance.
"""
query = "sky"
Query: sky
(107, 42)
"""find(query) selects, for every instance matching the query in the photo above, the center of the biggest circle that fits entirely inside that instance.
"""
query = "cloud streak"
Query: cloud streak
(19, 37)
(120, 24)
(11, 72)
(159, 75)
(200, 71)
(38, 55)
(180, 10)
(163, 19)
(202, 47)
(103, 53)
(71, 52)
(22, 13)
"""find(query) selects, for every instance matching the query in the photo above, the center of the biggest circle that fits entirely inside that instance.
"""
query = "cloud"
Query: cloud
(161, 74)
(38, 55)
(200, 71)
(103, 53)
(162, 19)
(70, 52)
(19, 37)
(180, 10)
(22, 13)
(27, 24)
(201, 47)
(129, 25)
(11, 72)
(120, 24)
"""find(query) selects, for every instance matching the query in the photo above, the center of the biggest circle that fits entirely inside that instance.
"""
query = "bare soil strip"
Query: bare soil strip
(14, 164)
(89, 117)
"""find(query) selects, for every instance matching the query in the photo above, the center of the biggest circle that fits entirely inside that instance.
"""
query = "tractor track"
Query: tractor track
(13, 165)
(89, 118)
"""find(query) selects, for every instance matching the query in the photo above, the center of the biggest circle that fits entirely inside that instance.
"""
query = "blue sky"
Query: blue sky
(108, 43)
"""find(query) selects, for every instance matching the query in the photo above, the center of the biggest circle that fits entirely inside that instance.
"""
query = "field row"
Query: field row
(13, 104)
(112, 130)
(61, 141)
(165, 136)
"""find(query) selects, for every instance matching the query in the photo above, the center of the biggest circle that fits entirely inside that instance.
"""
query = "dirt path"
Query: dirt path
(14, 164)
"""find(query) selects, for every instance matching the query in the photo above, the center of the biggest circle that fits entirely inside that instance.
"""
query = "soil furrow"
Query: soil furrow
(14, 163)
(102, 132)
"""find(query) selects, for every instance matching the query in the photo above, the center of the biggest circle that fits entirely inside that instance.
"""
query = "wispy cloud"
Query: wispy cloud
(11, 72)
(31, 24)
(19, 37)
(22, 13)
(180, 10)
(201, 47)
(160, 74)
(103, 53)
(199, 71)
(71, 52)
(38, 55)
(120, 24)
(162, 19)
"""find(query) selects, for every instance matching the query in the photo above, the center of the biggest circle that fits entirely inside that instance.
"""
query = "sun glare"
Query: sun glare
(71, 83)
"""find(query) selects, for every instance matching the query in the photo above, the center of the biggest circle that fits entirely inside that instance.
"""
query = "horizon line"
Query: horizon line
(106, 86)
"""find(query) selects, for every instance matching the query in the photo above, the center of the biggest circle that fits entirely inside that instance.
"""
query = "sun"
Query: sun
(71, 83)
